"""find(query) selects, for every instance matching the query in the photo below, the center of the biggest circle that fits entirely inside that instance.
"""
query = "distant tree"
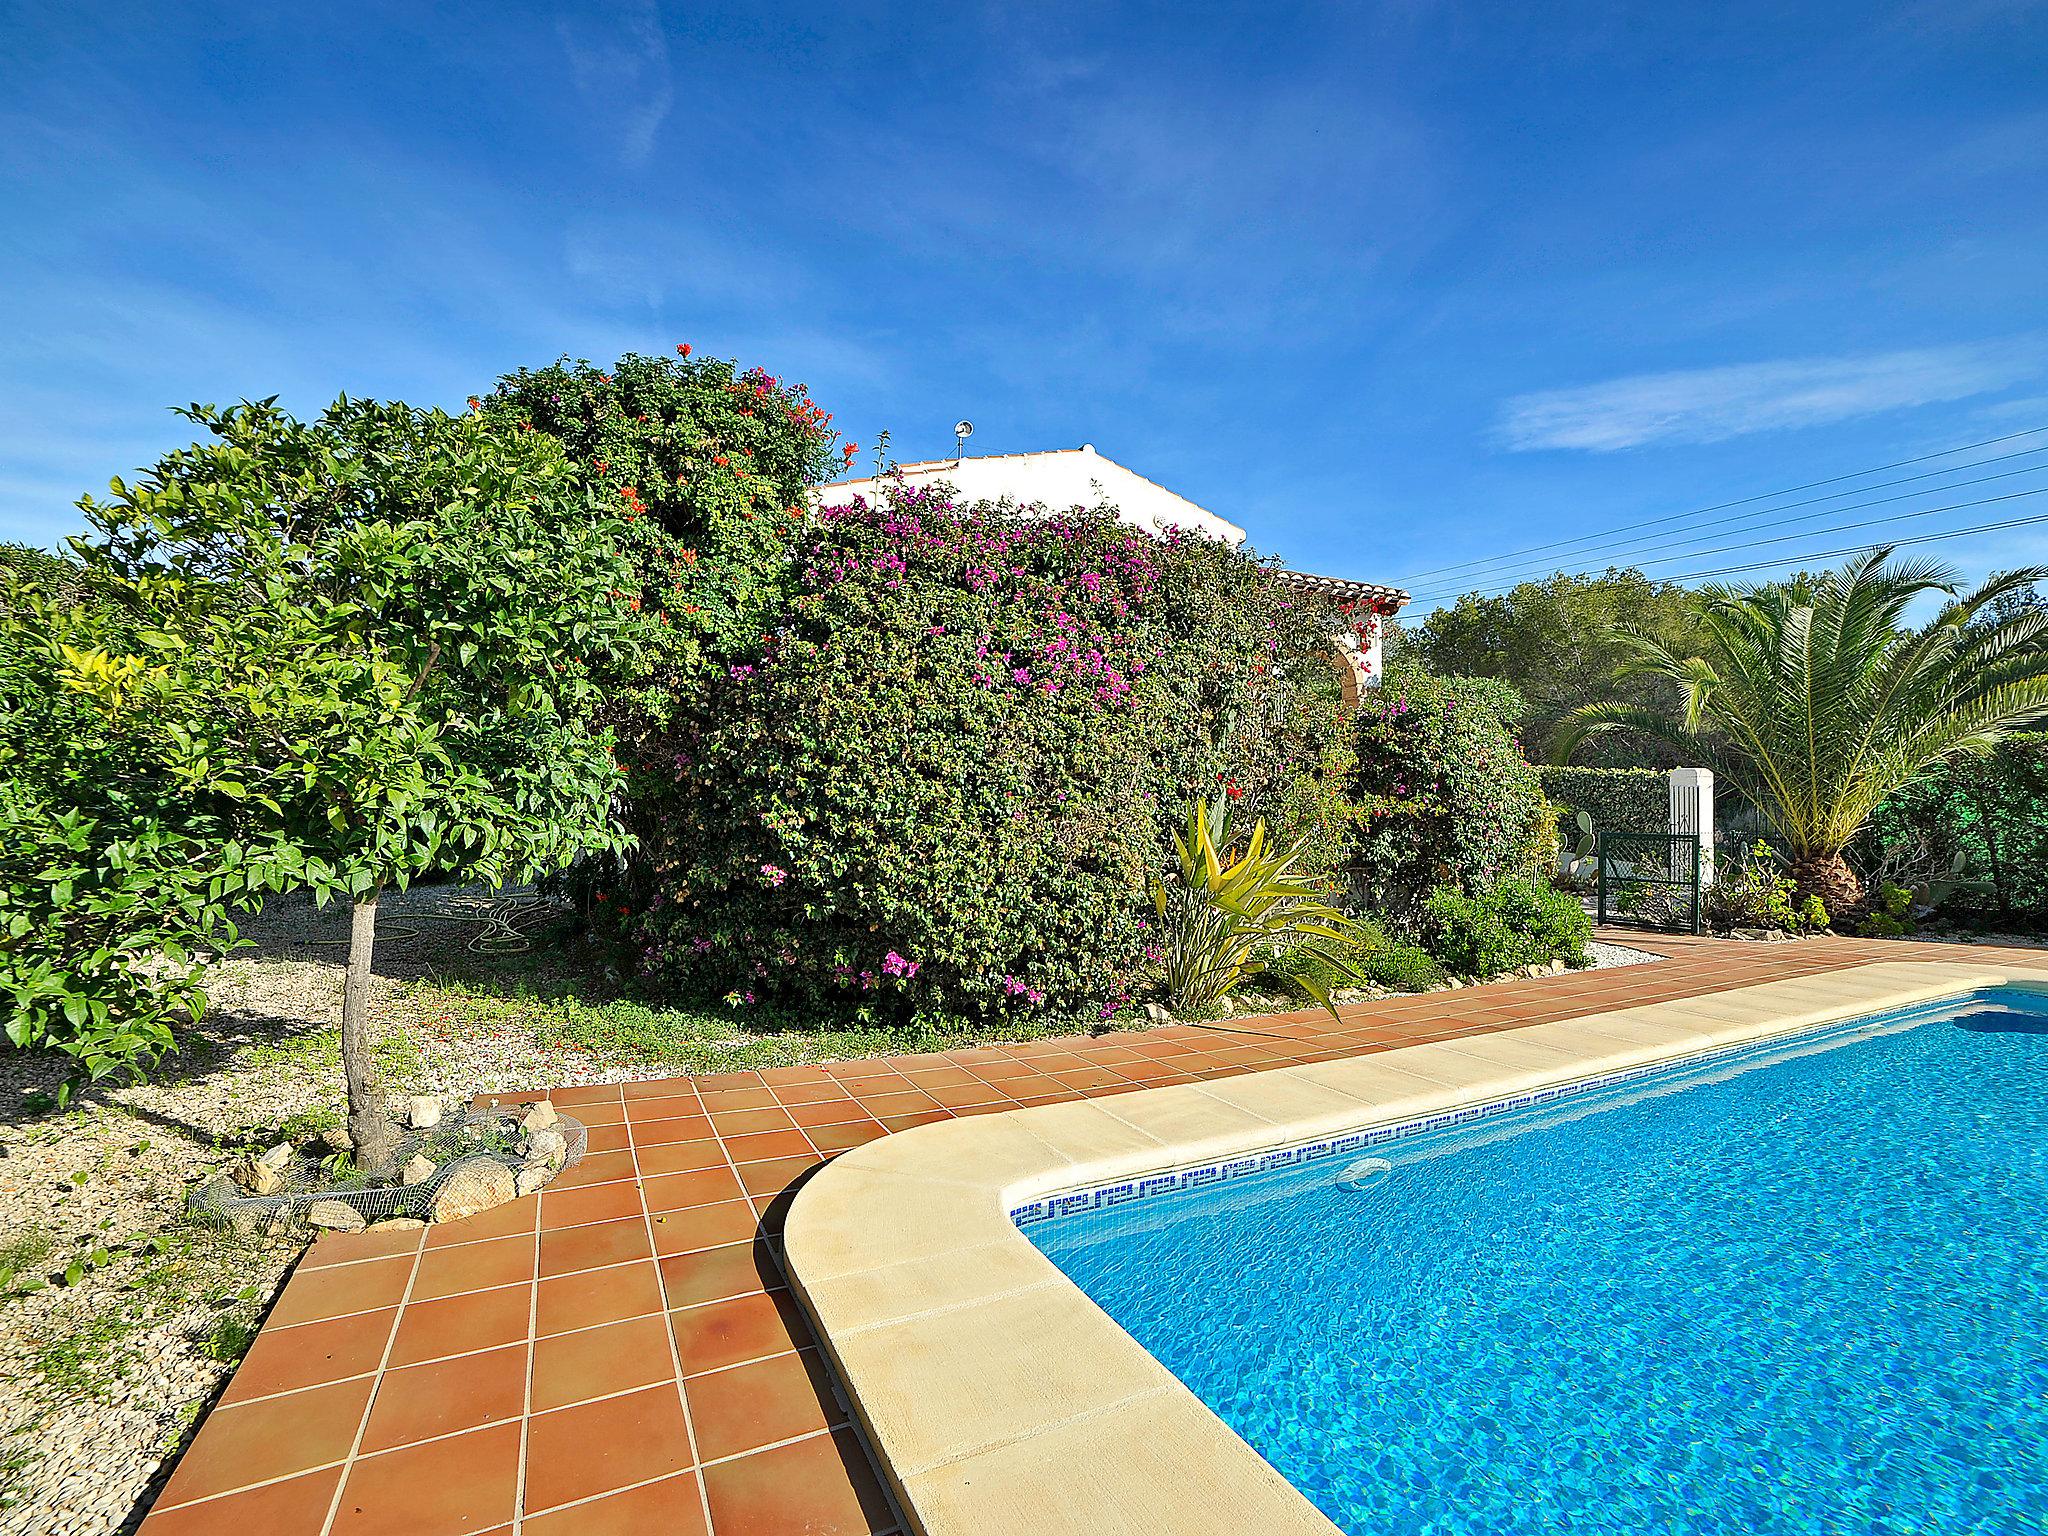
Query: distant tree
(1816, 702)
(1556, 641)
(364, 644)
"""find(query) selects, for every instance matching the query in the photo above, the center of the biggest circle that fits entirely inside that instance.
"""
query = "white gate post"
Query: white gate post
(1692, 811)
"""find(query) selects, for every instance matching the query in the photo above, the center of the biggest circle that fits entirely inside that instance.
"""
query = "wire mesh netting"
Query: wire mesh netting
(458, 1142)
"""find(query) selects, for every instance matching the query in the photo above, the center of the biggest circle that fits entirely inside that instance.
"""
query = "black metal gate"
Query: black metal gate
(1650, 879)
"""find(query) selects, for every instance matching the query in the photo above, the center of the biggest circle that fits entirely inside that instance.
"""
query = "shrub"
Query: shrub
(1754, 891)
(1514, 923)
(1972, 836)
(938, 790)
(1444, 794)
(1404, 968)
(1225, 912)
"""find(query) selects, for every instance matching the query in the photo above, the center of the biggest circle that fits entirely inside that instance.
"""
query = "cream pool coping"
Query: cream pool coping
(1001, 1399)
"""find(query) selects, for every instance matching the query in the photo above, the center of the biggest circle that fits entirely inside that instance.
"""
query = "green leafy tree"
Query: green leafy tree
(364, 643)
(1444, 795)
(1556, 642)
(1815, 700)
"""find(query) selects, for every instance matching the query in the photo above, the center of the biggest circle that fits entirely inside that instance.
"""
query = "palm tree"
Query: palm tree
(1815, 701)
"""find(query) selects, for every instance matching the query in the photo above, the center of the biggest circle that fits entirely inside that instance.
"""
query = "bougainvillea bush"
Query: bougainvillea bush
(1443, 793)
(938, 789)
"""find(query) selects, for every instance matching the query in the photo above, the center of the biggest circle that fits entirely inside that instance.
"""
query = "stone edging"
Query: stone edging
(999, 1397)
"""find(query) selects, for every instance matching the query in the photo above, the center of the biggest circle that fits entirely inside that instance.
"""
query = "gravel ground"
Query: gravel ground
(106, 1375)
(1606, 956)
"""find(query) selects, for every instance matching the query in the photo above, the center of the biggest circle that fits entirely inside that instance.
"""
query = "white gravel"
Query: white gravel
(1606, 956)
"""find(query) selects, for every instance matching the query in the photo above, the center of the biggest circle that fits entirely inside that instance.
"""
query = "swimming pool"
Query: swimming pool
(1793, 1288)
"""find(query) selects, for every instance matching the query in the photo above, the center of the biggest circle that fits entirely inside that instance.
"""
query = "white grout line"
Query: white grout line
(370, 1403)
(654, 1257)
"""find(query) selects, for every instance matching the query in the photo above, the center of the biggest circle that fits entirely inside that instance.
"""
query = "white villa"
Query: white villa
(1068, 477)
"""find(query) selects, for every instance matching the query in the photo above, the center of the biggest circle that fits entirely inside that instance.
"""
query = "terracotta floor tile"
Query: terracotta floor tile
(581, 1207)
(883, 1105)
(573, 1453)
(276, 1437)
(822, 1487)
(713, 1274)
(596, 1362)
(606, 1138)
(298, 1504)
(724, 1333)
(592, 1247)
(680, 1100)
(352, 1247)
(828, 1112)
(777, 1174)
(285, 1359)
(339, 1289)
(659, 1133)
(473, 1267)
(842, 1138)
(712, 1082)
(514, 1216)
(766, 1144)
(739, 1098)
(428, 1330)
(612, 1112)
(595, 1168)
(704, 1186)
(453, 1487)
(681, 1156)
(420, 1402)
(754, 1405)
(744, 1122)
(808, 1091)
(597, 1296)
(704, 1226)
(672, 1507)
(594, 1093)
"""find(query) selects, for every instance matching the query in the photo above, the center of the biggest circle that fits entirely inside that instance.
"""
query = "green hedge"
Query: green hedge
(1990, 810)
(1618, 799)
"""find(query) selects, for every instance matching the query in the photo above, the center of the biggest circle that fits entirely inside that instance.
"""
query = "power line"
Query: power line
(1618, 553)
(1811, 533)
(1831, 554)
(1742, 501)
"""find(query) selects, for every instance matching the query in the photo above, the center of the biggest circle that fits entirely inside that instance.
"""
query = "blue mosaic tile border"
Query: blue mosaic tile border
(1172, 1181)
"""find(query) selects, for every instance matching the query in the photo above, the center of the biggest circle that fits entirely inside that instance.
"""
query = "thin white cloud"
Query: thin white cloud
(1710, 405)
(621, 68)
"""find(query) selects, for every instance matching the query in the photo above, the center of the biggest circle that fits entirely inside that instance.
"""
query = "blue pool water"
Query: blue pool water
(1802, 1290)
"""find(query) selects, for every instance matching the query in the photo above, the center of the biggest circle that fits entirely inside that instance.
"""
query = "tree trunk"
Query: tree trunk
(369, 1123)
(1828, 876)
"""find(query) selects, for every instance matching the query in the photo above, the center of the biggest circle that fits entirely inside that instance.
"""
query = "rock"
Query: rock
(422, 1110)
(548, 1146)
(257, 1177)
(1157, 1013)
(277, 1157)
(532, 1177)
(1454, 984)
(283, 1222)
(417, 1170)
(474, 1184)
(396, 1224)
(337, 1138)
(540, 1116)
(335, 1216)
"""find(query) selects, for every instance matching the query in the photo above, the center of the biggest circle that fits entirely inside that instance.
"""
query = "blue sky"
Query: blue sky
(1394, 286)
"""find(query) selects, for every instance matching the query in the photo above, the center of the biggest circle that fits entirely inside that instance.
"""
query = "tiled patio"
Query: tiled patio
(618, 1355)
